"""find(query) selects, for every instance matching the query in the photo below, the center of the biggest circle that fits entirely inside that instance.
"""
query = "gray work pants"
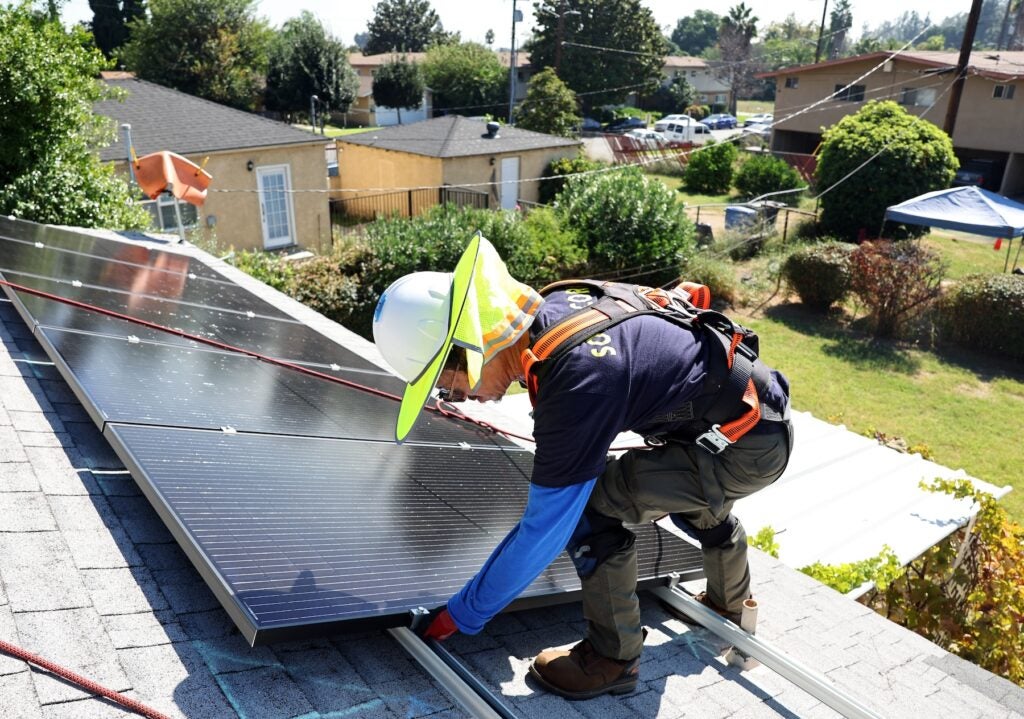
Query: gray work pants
(697, 487)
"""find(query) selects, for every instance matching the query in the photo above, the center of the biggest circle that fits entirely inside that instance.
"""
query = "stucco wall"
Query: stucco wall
(236, 215)
(461, 171)
(364, 171)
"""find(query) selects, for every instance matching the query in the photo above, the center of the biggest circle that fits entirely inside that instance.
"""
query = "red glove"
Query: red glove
(441, 627)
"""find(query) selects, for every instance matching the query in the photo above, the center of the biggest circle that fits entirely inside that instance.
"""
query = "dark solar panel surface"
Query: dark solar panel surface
(285, 490)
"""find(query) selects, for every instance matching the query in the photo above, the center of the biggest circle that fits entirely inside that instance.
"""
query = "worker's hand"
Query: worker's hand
(441, 626)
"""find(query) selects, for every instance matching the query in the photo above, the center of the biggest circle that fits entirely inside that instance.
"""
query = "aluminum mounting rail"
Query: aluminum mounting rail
(812, 682)
(468, 691)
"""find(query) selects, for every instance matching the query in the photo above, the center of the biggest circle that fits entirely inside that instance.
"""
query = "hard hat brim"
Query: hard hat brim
(418, 391)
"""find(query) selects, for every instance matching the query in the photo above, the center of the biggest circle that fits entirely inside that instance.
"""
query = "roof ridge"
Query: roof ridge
(219, 105)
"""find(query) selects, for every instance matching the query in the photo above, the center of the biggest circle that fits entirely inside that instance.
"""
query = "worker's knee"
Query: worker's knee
(596, 538)
(712, 537)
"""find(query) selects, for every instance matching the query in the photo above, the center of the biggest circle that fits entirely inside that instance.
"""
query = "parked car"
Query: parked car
(661, 124)
(625, 124)
(589, 124)
(763, 130)
(647, 137)
(720, 121)
(984, 173)
(761, 118)
(694, 132)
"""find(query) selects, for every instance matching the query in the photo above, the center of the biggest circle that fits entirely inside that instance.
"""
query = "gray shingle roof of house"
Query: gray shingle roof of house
(165, 119)
(91, 579)
(455, 136)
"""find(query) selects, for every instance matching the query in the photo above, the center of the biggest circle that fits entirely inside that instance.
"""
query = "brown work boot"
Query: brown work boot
(582, 673)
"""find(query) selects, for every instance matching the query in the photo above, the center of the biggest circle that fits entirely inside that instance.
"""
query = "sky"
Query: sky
(473, 18)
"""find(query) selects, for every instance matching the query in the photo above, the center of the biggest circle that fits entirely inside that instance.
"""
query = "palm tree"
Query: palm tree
(738, 28)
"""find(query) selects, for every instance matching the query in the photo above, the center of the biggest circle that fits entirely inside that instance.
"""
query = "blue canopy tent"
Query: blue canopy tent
(968, 209)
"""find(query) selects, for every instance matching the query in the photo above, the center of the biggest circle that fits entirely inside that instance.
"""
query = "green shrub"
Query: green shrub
(986, 312)
(877, 157)
(266, 267)
(718, 275)
(557, 172)
(319, 283)
(896, 280)
(820, 273)
(881, 570)
(631, 225)
(698, 112)
(761, 174)
(548, 251)
(710, 168)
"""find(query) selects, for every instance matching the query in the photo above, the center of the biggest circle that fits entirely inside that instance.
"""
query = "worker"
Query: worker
(645, 373)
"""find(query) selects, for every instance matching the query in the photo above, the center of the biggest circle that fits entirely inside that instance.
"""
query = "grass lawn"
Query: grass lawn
(966, 408)
(970, 254)
(746, 108)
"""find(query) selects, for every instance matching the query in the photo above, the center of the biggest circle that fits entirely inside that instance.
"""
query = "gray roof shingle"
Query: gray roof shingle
(165, 119)
(455, 136)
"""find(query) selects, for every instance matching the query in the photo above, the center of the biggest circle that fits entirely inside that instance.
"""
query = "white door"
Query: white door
(274, 183)
(509, 183)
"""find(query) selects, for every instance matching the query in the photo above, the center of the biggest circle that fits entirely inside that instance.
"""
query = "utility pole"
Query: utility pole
(961, 68)
(821, 33)
(516, 17)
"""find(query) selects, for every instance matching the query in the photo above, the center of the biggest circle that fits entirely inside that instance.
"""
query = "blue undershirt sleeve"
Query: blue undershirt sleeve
(548, 521)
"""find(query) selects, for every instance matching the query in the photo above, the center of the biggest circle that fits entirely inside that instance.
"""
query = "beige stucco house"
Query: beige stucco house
(990, 120)
(407, 168)
(269, 188)
(364, 111)
(711, 89)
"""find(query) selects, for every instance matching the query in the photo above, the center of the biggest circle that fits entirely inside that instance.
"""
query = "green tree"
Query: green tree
(467, 78)
(398, 84)
(404, 26)
(110, 20)
(306, 60)
(550, 106)
(875, 158)
(48, 170)
(840, 24)
(735, 36)
(696, 33)
(215, 49)
(672, 96)
(786, 44)
(616, 48)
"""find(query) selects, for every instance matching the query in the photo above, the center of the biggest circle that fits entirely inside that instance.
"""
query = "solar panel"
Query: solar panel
(285, 490)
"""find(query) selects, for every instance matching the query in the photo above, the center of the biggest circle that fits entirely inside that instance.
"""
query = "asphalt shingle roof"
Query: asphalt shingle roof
(91, 579)
(165, 119)
(455, 136)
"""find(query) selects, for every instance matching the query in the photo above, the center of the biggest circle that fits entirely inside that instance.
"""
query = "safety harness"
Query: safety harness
(728, 405)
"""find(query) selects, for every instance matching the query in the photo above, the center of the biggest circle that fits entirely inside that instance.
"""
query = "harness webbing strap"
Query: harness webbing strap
(745, 422)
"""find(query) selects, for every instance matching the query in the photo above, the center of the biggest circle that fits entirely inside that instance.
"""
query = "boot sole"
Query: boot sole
(624, 687)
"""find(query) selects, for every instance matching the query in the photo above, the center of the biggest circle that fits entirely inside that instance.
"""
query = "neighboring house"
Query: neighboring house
(446, 156)
(989, 120)
(364, 111)
(256, 165)
(711, 89)
(524, 71)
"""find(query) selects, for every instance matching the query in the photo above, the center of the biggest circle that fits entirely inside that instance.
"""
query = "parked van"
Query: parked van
(693, 132)
(663, 123)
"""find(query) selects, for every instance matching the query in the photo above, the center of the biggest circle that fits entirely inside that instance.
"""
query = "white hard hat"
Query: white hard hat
(411, 321)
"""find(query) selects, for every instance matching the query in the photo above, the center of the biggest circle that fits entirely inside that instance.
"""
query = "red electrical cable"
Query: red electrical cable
(88, 684)
(249, 353)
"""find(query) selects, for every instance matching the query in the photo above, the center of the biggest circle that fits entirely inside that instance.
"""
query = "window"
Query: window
(1003, 92)
(917, 96)
(792, 83)
(693, 73)
(162, 210)
(853, 93)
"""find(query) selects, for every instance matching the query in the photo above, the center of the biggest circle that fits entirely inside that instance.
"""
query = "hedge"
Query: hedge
(820, 273)
(986, 313)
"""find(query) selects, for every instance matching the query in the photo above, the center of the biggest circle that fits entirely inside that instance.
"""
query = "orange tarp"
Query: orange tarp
(163, 171)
